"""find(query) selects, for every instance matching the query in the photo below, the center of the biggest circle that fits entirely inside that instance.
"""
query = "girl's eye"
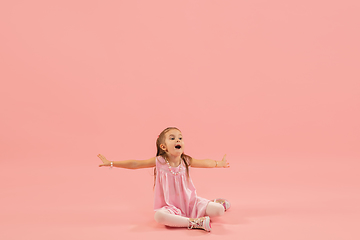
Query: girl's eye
(172, 138)
(180, 138)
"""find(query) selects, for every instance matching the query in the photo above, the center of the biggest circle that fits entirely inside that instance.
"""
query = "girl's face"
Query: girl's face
(174, 144)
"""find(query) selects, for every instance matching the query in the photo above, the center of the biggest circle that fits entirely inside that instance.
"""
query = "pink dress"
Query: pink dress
(176, 193)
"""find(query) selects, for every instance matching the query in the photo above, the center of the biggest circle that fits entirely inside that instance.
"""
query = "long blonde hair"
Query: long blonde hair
(161, 139)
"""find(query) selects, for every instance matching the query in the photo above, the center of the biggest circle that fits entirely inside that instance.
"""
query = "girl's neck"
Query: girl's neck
(174, 161)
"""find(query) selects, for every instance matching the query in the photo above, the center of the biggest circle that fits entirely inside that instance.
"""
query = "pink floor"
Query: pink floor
(271, 199)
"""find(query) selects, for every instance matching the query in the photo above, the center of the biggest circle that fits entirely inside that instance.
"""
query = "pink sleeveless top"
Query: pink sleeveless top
(176, 193)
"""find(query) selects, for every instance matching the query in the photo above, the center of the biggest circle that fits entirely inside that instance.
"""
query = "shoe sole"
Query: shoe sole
(207, 224)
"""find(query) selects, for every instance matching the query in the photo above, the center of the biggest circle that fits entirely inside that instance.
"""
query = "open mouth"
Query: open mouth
(178, 146)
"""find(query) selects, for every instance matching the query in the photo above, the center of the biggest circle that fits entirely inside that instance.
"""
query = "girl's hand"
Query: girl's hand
(224, 163)
(104, 160)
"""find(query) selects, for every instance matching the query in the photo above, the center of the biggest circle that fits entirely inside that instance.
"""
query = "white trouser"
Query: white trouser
(163, 216)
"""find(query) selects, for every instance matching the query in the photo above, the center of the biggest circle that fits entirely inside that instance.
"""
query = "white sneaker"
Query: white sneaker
(200, 223)
(223, 202)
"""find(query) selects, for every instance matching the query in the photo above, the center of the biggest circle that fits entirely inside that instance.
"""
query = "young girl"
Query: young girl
(176, 203)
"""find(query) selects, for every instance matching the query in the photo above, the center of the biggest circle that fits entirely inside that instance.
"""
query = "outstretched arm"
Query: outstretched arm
(209, 163)
(129, 164)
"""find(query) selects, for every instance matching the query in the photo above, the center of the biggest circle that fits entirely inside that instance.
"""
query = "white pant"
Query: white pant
(163, 216)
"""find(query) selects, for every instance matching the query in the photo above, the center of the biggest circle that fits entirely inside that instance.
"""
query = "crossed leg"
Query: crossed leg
(164, 217)
(214, 209)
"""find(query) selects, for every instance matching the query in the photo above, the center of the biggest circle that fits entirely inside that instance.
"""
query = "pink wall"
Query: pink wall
(274, 84)
(261, 78)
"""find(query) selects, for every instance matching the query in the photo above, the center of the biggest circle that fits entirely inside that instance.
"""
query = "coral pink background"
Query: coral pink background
(273, 84)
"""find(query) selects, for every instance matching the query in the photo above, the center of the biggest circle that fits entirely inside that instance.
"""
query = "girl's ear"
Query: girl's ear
(162, 146)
